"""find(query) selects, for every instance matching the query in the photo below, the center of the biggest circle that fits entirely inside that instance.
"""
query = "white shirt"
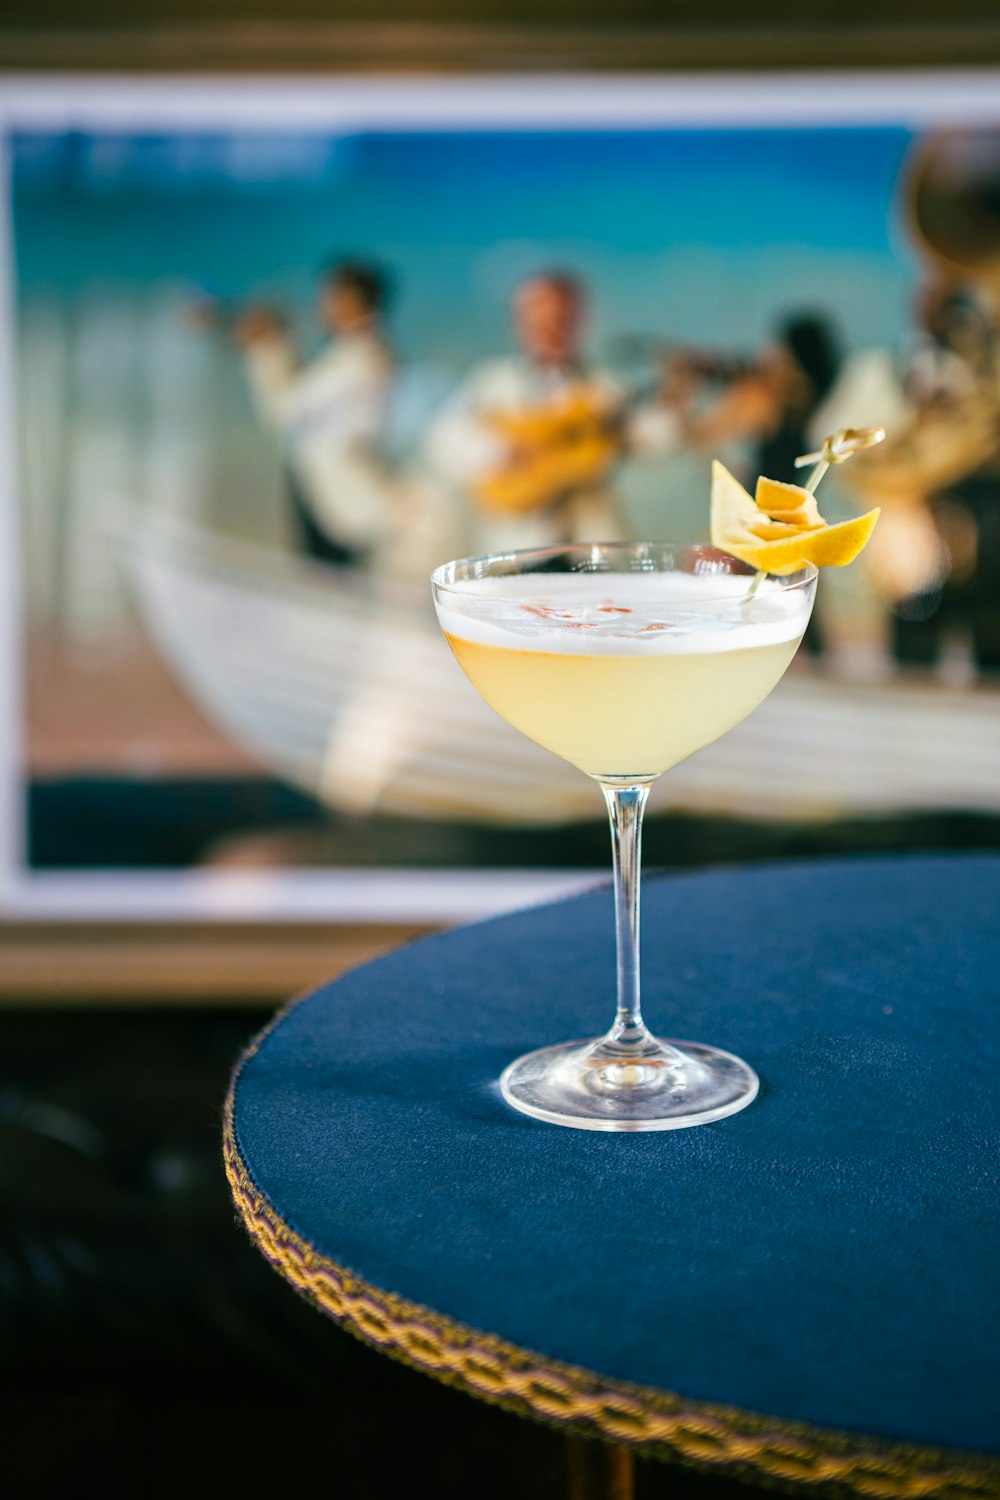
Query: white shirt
(330, 414)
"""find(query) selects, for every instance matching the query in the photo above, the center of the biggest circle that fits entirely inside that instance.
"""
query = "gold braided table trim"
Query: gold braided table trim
(656, 1423)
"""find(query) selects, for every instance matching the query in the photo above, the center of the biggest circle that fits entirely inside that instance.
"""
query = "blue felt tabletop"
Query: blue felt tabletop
(827, 1256)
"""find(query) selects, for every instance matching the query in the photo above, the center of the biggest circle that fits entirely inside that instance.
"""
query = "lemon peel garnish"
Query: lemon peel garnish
(782, 530)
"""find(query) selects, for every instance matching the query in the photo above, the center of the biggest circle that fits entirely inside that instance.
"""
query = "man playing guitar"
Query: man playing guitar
(532, 438)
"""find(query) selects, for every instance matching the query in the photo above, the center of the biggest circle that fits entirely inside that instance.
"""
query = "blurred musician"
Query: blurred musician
(771, 403)
(329, 413)
(953, 347)
(531, 439)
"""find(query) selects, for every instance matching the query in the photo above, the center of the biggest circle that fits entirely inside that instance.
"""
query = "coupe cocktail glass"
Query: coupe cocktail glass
(623, 659)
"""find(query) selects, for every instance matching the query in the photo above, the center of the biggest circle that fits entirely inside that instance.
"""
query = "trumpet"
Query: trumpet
(697, 361)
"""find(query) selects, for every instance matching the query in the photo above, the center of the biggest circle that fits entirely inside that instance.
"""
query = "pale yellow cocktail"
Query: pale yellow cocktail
(612, 674)
(623, 715)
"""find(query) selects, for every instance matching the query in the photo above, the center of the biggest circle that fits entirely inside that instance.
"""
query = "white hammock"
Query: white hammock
(343, 686)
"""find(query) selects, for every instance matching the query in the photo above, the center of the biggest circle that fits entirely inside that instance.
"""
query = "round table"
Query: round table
(805, 1292)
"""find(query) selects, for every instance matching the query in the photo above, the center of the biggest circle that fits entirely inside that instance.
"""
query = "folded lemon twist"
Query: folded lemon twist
(781, 530)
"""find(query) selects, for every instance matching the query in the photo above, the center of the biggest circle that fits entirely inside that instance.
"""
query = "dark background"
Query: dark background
(520, 33)
(147, 1347)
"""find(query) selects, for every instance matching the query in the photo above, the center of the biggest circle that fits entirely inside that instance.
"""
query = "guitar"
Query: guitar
(554, 449)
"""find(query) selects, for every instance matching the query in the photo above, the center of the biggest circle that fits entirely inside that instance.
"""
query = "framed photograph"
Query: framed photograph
(257, 343)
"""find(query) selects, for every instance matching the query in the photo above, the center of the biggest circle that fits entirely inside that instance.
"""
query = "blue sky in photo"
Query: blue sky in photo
(707, 235)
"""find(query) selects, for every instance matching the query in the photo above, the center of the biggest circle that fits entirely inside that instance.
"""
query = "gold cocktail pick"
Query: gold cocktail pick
(837, 449)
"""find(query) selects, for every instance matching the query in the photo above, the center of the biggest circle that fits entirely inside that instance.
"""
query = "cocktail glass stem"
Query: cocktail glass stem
(628, 1038)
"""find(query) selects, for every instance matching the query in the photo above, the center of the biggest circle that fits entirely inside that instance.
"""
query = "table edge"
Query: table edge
(658, 1424)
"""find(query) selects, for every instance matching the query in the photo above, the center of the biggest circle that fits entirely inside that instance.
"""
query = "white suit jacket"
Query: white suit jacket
(330, 414)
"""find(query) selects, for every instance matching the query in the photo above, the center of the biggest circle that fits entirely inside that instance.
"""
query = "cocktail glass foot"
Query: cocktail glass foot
(596, 1085)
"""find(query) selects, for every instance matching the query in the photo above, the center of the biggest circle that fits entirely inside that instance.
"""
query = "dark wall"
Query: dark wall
(497, 34)
(790, 14)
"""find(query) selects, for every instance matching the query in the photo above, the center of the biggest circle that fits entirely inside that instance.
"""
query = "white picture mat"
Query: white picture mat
(917, 100)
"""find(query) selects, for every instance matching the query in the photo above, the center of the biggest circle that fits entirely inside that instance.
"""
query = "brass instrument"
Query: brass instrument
(951, 188)
(953, 203)
(718, 365)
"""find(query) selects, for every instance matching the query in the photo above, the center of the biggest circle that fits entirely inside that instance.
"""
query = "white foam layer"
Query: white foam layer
(620, 614)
